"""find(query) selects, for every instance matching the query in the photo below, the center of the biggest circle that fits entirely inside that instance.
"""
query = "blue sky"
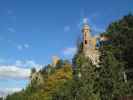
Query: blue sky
(32, 31)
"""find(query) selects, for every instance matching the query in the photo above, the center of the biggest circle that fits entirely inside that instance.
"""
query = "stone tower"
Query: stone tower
(89, 44)
(86, 36)
(55, 60)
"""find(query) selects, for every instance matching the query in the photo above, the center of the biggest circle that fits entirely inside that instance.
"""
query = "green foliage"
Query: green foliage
(121, 32)
(33, 70)
(65, 91)
(87, 79)
(111, 76)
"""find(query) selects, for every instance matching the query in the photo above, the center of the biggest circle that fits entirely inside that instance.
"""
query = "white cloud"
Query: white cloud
(97, 36)
(28, 64)
(85, 20)
(18, 63)
(97, 29)
(26, 45)
(13, 89)
(21, 47)
(20, 70)
(67, 28)
(2, 93)
(31, 63)
(69, 51)
(6, 91)
(11, 29)
(14, 72)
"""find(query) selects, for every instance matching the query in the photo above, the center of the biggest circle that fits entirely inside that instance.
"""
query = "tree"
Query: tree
(59, 64)
(85, 76)
(33, 70)
(65, 92)
(88, 78)
(121, 33)
(111, 75)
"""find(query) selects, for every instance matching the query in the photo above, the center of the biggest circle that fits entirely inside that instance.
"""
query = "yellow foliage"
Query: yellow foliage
(58, 78)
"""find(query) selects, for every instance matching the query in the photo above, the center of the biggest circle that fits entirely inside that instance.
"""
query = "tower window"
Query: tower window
(85, 41)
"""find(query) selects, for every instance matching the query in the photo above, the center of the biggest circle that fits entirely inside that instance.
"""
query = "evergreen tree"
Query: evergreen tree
(121, 33)
(111, 76)
(89, 80)
(86, 78)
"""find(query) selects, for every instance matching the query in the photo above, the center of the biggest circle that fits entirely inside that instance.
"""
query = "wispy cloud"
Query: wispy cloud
(69, 52)
(11, 29)
(95, 27)
(19, 71)
(85, 20)
(67, 28)
(19, 47)
(90, 19)
(10, 71)
(24, 46)
(12, 17)
(9, 12)
(6, 91)
(28, 64)
(4, 61)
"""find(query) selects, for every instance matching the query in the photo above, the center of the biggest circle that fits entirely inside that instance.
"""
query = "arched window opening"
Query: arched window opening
(85, 41)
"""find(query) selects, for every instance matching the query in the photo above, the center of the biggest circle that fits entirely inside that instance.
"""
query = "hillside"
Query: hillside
(83, 80)
(45, 90)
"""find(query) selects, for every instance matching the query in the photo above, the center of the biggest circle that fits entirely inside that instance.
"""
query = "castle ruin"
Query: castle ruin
(89, 44)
